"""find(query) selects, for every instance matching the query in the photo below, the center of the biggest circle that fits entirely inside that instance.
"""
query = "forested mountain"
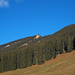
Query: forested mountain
(36, 50)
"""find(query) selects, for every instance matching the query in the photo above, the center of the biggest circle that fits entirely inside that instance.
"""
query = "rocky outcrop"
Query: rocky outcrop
(37, 36)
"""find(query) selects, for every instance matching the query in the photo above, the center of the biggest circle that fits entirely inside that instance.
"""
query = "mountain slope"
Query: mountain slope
(64, 64)
(36, 50)
(18, 43)
(65, 32)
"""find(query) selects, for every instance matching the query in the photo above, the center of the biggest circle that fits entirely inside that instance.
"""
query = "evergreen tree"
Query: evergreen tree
(74, 43)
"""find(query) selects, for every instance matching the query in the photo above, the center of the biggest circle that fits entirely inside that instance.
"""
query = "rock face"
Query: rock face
(7, 46)
(37, 36)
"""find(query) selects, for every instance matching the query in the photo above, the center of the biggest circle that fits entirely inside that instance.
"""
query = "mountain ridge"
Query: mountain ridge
(17, 43)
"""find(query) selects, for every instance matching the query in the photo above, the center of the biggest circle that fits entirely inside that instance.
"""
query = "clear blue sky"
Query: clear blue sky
(23, 18)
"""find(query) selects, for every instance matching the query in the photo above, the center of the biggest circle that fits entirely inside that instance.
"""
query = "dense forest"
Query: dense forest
(38, 51)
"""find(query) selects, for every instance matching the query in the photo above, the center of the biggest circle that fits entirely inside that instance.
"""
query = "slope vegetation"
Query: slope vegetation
(64, 64)
(31, 51)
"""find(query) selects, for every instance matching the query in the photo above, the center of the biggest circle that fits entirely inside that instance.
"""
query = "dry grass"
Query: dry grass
(64, 64)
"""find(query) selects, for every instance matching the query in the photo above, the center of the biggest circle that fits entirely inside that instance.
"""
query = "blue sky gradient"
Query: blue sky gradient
(23, 18)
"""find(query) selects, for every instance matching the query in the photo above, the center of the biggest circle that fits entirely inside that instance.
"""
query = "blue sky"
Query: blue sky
(23, 18)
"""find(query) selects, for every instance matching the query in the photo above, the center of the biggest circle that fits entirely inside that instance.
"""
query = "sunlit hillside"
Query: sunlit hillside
(64, 64)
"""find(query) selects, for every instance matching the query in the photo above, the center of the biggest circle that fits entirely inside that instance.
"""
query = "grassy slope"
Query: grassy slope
(64, 64)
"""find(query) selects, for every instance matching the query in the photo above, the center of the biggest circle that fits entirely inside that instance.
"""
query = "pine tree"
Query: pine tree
(74, 43)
